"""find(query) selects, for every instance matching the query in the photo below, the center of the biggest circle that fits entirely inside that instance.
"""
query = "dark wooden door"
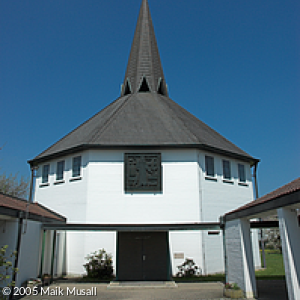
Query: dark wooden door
(143, 256)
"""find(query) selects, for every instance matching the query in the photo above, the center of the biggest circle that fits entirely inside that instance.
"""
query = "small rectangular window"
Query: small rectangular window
(226, 169)
(76, 168)
(60, 170)
(209, 166)
(241, 171)
(45, 173)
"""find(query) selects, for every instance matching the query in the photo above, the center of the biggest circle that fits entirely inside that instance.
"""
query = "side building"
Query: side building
(145, 160)
(21, 225)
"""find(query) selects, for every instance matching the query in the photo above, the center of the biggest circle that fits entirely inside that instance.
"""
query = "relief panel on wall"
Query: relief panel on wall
(142, 172)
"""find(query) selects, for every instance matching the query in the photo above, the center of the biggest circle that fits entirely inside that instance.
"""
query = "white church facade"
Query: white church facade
(144, 160)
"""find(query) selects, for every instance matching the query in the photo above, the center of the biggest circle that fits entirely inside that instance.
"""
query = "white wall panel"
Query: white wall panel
(29, 252)
(187, 243)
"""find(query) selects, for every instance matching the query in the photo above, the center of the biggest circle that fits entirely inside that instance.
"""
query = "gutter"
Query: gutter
(43, 158)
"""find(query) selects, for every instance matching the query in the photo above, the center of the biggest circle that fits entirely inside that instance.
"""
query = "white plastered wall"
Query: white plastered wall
(177, 203)
(29, 252)
(99, 197)
(219, 196)
(187, 196)
(30, 246)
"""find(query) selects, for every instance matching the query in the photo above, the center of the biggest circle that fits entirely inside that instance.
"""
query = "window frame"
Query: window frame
(78, 167)
(60, 170)
(224, 168)
(242, 171)
(45, 175)
(207, 167)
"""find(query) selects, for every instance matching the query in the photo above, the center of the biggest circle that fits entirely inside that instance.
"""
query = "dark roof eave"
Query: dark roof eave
(17, 213)
(261, 207)
(134, 227)
(83, 147)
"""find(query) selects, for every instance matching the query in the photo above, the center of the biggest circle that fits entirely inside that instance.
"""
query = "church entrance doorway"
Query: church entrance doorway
(143, 256)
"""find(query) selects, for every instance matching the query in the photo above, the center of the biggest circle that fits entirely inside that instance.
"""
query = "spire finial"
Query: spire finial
(144, 71)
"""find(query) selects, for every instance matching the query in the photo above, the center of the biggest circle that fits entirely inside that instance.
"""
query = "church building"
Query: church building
(144, 159)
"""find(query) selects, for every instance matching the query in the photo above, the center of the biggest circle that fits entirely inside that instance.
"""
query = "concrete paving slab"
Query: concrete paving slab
(184, 291)
(268, 290)
(142, 285)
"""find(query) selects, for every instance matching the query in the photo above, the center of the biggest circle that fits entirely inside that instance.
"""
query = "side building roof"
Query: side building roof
(13, 206)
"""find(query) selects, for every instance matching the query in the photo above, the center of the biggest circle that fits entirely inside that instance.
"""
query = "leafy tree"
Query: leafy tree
(271, 236)
(13, 186)
(272, 239)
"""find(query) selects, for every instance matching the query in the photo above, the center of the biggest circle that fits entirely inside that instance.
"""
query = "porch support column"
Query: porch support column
(42, 254)
(53, 255)
(290, 238)
(240, 256)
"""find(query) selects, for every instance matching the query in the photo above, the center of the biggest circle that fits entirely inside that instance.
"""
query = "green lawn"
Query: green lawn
(275, 267)
(274, 270)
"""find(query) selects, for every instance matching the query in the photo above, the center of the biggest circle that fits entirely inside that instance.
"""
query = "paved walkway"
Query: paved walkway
(272, 290)
(268, 290)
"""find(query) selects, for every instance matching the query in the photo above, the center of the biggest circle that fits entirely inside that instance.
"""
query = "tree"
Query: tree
(272, 236)
(13, 186)
(272, 239)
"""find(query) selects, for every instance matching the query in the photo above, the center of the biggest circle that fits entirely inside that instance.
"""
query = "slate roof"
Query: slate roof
(147, 118)
(144, 59)
(11, 206)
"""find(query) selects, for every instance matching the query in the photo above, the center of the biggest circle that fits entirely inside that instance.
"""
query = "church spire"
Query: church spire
(144, 71)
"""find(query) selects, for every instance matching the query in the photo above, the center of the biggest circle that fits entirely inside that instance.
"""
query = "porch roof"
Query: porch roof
(287, 195)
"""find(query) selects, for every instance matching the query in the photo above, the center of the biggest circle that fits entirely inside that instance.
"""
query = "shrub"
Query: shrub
(99, 265)
(232, 286)
(6, 269)
(188, 269)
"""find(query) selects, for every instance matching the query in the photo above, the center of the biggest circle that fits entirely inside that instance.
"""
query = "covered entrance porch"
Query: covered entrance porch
(283, 202)
(142, 250)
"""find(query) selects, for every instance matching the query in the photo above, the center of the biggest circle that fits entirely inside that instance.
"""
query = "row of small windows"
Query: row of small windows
(60, 168)
(210, 169)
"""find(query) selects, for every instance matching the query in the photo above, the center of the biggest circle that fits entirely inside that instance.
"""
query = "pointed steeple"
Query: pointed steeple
(144, 71)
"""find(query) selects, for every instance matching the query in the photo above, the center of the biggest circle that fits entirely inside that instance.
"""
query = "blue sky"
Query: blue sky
(233, 64)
